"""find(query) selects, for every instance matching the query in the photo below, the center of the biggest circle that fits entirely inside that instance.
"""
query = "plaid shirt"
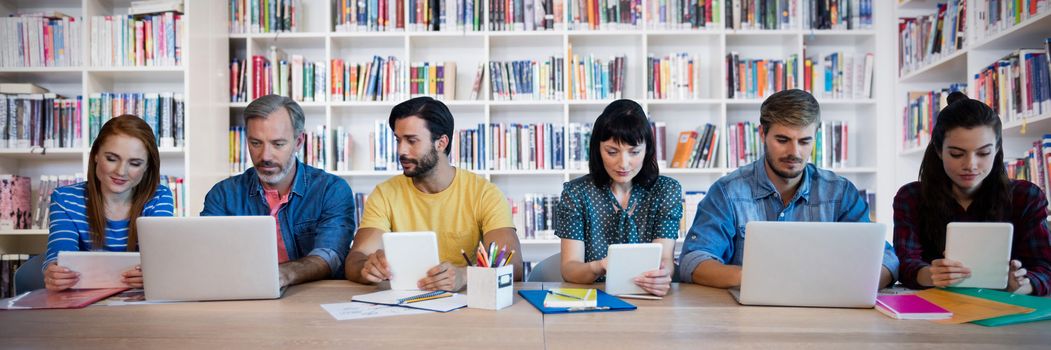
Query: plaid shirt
(1028, 213)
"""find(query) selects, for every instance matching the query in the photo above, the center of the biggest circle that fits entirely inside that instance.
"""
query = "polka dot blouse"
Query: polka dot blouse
(593, 215)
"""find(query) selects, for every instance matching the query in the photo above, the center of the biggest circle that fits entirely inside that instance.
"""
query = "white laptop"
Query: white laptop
(209, 258)
(811, 264)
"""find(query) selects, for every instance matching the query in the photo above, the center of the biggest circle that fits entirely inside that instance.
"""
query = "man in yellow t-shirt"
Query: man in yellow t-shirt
(431, 195)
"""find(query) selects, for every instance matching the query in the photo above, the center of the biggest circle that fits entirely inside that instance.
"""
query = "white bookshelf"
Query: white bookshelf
(205, 37)
(316, 41)
(960, 67)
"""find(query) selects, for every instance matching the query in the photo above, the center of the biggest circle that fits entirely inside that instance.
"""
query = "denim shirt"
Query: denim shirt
(318, 219)
(747, 194)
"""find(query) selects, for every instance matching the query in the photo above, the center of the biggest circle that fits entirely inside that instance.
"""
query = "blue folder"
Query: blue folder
(536, 297)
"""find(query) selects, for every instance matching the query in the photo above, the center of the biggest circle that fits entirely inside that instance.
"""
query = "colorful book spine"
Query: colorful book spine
(839, 75)
(525, 15)
(579, 139)
(995, 16)
(527, 80)
(925, 39)
(40, 40)
(762, 14)
(1017, 86)
(744, 144)
(314, 151)
(759, 78)
(673, 77)
(136, 40)
(16, 209)
(445, 15)
(9, 264)
(343, 143)
(47, 184)
(378, 80)
(680, 15)
(833, 145)
(535, 215)
(1034, 165)
(264, 16)
(177, 185)
(921, 112)
(368, 16)
(383, 148)
(604, 14)
(238, 80)
(837, 14)
(510, 147)
(40, 120)
(591, 78)
(239, 157)
(435, 79)
(164, 112)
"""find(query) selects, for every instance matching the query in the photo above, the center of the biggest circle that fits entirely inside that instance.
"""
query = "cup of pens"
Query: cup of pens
(490, 280)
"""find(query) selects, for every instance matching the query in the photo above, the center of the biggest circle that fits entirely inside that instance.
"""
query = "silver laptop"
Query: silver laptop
(209, 258)
(811, 264)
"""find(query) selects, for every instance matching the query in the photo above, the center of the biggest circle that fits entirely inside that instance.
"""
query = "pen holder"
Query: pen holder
(490, 288)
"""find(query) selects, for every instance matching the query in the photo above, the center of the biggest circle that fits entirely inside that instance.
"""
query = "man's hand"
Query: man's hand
(376, 269)
(445, 277)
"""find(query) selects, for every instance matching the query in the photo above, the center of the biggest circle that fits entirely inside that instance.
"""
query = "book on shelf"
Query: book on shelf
(525, 15)
(443, 15)
(839, 75)
(383, 148)
(673, 77)
(869, 197)
(16, 210)
(994, 16)
(762, 14)
(527, 80)
(501, 146)
(743, 144)
(40, 120)
(759, 78)
(155, 6)
(343, 143)
(592, 78)
(368, 16)
(920, 113)
(359, 205)
(48, 184)
(165, 112)
(677, 15)
(925, 39)
(535, 215)
(40, 40)
(137, 40)
(696, 148)
(239, 158)
(660, 131)
(377, 80)
(837, 14)
(579, 137)
(177, 185)
(690, 201)
(9, 264)
(476, 87)
(603, 14)
(435, 79)
(1034, 165)
(238, 80)
(1017, 86)
(314, 152)
(293, 76)
(264, 16)
(833, 145)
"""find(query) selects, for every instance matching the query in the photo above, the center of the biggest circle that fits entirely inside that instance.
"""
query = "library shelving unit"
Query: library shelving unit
(317, 40)
(980, 51)
(192, 79)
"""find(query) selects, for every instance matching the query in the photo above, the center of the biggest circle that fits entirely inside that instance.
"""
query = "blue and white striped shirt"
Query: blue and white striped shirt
(69, 221)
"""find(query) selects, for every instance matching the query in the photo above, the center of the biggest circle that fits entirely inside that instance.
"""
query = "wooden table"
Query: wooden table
(691, 317)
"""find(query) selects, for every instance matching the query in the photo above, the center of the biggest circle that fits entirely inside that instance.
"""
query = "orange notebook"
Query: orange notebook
(67, 299)
(967, 308)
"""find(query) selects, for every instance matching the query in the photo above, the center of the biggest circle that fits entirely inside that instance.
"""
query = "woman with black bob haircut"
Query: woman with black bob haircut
(963, 179)
(623, 199)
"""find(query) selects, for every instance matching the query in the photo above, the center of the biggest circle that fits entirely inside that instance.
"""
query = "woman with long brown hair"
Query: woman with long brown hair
(99, 214)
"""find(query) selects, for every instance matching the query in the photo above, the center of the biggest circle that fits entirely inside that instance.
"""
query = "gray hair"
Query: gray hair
(791, 108)
(264, 106)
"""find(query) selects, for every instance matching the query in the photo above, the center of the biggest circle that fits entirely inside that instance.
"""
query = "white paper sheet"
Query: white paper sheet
(355, 310)
(390, 297)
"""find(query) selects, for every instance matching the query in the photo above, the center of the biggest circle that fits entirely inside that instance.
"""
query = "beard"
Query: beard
(424, 166)
(273, 178)
(785, 174)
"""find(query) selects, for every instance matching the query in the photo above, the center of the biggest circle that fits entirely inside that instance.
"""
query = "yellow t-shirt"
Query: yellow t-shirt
(460, 214)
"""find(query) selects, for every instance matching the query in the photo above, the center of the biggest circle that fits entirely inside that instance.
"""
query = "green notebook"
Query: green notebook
(1042, 306)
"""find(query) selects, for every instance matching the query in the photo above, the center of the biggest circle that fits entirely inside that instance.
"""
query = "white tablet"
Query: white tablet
(409, 255)
(98, 269)
(627, 261)
(985, 248)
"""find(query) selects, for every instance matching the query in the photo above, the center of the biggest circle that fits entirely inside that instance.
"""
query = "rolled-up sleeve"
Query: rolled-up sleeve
(711, 235)
(336, 226)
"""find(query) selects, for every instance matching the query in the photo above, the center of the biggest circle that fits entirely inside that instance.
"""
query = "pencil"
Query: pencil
(465, 258)
(508, 260)
(439, 296)
(500, 258)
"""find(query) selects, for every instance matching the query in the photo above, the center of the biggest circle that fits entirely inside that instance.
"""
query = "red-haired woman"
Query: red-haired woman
(99, 215)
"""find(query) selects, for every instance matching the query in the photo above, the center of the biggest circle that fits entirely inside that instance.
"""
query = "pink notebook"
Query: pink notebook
(910, 307)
